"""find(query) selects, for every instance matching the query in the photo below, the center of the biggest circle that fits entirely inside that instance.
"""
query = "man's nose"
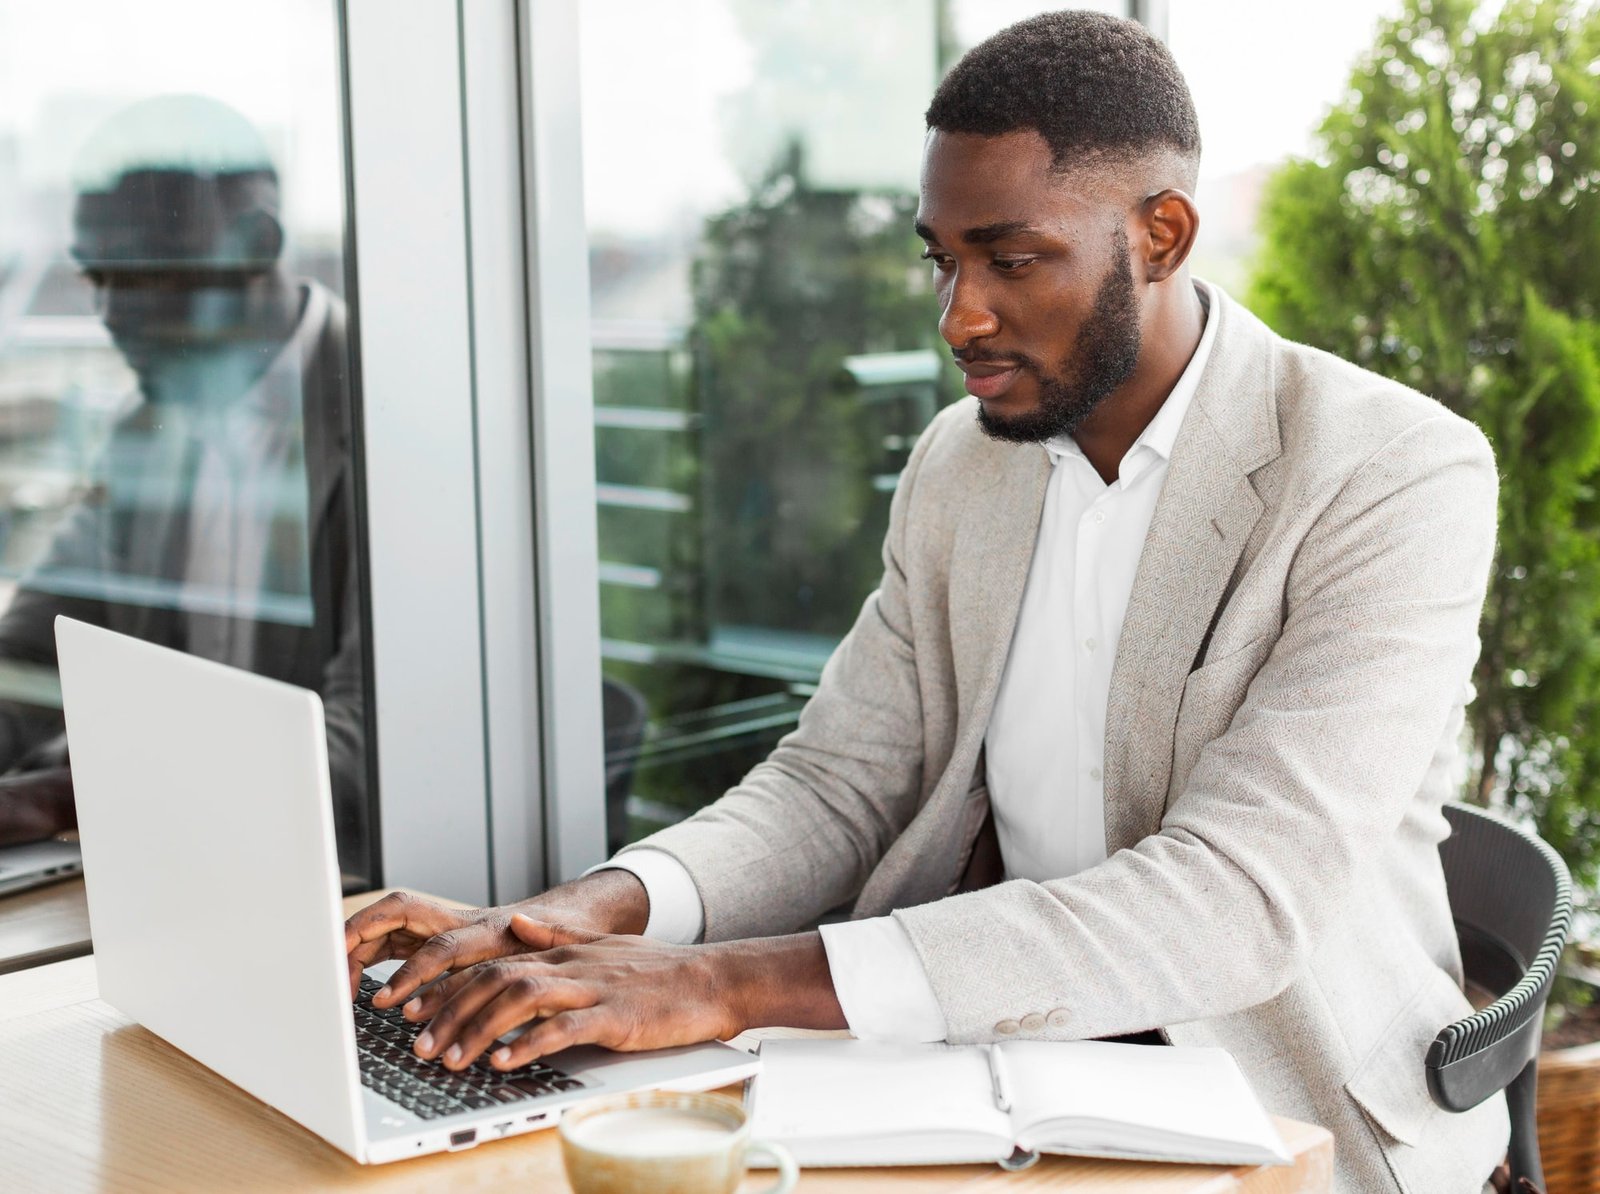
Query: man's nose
(111, 304)
(968, 316)
(127, 309)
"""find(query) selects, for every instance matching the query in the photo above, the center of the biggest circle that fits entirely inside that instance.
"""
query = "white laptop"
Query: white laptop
(206, 823)
(38, 863)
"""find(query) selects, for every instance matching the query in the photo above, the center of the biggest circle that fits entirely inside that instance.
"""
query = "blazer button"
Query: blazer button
(1032, 1022)
(1007, 1027)
(1058, 1018)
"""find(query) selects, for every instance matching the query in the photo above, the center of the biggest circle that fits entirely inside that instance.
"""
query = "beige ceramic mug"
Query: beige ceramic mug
(664, 1143)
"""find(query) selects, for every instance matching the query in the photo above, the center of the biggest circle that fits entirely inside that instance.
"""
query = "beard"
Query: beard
(1103, 356)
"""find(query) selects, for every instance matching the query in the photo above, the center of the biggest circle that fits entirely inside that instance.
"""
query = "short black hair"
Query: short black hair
(1094, 86)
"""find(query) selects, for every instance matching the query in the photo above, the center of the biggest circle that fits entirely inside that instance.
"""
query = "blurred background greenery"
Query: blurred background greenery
(1445, 233)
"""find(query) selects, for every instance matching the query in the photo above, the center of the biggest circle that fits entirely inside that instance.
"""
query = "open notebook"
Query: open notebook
(845, 1102)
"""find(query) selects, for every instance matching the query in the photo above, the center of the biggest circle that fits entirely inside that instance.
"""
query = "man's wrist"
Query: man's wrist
(773, 981)
(608, 901)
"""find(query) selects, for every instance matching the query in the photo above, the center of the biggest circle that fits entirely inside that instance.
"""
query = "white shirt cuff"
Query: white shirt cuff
(880, 982)
(676, 914)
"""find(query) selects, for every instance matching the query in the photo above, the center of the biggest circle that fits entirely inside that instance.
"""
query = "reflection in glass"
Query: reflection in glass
(209, 508)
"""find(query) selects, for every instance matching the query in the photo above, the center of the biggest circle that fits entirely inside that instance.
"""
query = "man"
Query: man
(1188, 611)
(220, 519)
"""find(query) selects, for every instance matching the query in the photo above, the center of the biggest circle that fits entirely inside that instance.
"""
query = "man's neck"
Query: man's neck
(1170, 340)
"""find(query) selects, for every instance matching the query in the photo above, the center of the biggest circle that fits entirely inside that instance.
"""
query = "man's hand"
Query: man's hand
(435, 939)
(623, 992)
(35, 805)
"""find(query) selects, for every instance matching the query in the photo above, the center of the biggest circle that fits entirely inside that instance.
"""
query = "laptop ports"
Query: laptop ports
(465, 1138)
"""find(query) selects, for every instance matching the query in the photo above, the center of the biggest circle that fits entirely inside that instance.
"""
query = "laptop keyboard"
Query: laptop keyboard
(384, 1046)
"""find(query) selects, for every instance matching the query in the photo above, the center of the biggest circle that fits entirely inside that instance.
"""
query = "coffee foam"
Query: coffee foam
(651, 1132)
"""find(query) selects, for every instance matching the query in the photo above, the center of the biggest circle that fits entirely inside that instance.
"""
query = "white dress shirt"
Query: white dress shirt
(249, 478)
(1044, 784)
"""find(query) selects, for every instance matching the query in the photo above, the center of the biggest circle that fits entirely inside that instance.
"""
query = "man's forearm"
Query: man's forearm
(36, 805)
(779, 981)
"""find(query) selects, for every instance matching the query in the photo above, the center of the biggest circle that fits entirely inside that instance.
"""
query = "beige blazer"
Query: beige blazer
(1284, 723)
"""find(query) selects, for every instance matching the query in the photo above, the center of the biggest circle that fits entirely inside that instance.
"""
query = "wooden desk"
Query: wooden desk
(46, 924)
(90, 1102)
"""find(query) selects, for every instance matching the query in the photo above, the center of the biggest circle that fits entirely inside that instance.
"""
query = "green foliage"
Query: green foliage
(784, 464)
(1447, 235)
(788, 284)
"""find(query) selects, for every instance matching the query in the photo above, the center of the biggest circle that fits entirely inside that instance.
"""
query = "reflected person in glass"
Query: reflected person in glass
(219, 519)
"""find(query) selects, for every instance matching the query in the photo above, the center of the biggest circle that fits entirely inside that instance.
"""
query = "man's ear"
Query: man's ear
(1171, 222)
(255, 237)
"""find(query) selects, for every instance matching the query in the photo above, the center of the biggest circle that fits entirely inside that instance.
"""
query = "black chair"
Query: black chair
(624, 714)
(1511, 899)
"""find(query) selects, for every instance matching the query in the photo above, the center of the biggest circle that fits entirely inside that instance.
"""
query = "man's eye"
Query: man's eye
(940, 260)
(1010, 265)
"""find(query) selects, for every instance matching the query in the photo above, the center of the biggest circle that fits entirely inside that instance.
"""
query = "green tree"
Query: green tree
(1446, 234)
(788, 284)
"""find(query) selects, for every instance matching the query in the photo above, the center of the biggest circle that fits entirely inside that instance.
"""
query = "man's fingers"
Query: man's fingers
(397, 910)
(425, 1004)
(471, 992)
(520, 1000)
(454, 949)
(594, 1025)
(541, 934)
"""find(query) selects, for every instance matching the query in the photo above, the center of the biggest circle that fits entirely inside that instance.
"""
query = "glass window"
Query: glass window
(175, 404)
(765, 355)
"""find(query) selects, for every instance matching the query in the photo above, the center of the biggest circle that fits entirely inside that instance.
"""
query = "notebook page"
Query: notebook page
(878, 1102)
(1095, 1095)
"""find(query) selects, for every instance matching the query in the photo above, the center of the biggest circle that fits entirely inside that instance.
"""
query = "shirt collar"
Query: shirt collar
(276, 395)
(1161, 433)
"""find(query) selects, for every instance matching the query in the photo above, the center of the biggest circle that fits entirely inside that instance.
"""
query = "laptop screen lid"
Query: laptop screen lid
(206, 823)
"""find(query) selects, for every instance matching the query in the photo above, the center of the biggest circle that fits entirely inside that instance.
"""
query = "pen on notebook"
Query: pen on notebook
(997, 1076)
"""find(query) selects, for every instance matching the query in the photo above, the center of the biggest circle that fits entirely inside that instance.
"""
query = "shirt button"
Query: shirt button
(1033, 1022)
(1057, 1018)
(1094, 774)
(1007, 1027)
(1099, 515)
(1091, 643)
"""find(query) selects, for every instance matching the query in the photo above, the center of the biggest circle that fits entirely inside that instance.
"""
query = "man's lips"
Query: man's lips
(989, 379)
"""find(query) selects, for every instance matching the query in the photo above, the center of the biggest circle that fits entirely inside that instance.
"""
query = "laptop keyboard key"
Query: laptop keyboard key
(389, 1067)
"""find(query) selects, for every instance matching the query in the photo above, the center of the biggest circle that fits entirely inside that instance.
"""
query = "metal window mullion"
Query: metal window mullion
(492, 106)
(567, 556)
(415, 329)
(1152, 14)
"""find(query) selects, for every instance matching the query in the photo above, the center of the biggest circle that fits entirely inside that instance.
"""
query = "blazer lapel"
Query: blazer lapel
(1202, 520)
(989, 558)
(988, 572)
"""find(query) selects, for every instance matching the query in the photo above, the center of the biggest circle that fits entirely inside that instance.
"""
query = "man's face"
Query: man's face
(181, 302)
(1034, 281)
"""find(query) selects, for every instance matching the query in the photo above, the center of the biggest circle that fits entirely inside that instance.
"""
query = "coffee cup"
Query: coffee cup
(666, 1143)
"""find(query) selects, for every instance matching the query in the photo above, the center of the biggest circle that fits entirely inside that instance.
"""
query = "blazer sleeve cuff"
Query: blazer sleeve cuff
(676, 913)
(880, 983)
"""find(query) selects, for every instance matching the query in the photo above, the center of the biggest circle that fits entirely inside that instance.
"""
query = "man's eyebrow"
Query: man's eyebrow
(989, 233)
(984, 234)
